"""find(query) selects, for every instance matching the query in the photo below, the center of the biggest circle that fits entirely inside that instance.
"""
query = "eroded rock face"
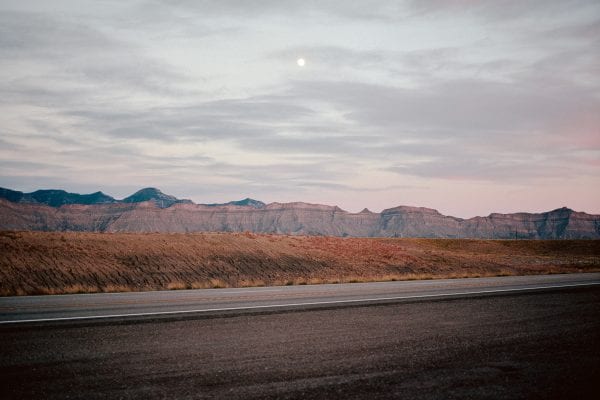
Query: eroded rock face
(152, 214)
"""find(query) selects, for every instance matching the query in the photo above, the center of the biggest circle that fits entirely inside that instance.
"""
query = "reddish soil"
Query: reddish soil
(53, 263)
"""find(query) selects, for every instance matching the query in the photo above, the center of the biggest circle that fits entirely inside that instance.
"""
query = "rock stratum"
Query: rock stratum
(150, 210)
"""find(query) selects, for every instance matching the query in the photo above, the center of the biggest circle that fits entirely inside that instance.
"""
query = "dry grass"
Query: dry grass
(53, 263)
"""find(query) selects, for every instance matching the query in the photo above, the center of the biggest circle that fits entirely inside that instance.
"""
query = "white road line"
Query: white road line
(374, 299)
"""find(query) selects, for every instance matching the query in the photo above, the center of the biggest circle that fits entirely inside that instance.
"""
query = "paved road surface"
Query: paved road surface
(219, 301)
(531, 343)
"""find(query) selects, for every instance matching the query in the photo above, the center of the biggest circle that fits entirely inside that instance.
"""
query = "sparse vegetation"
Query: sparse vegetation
(54, 263)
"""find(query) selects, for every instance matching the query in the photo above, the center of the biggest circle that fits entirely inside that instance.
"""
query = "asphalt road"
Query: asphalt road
(221, 301)
(533, 337)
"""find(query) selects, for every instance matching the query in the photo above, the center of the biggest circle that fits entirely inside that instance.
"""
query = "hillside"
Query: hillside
(150, 210)
(41, 262)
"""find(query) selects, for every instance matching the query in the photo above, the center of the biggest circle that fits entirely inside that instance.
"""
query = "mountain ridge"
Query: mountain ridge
(154, 195)
(150, 210)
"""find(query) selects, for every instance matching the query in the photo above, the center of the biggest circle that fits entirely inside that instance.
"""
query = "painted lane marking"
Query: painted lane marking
(159, 301)
(375, 299)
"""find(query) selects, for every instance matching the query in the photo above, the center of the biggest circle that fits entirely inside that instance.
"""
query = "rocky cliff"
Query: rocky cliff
(150, 210)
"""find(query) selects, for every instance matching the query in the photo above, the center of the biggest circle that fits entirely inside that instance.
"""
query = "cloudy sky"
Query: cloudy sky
(468, 107)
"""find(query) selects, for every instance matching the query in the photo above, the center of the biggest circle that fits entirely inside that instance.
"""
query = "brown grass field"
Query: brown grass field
(55, 263)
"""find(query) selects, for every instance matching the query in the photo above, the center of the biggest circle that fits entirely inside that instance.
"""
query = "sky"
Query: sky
(469, 107)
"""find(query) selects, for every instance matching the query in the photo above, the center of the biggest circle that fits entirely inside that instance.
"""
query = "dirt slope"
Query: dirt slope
(43, 262)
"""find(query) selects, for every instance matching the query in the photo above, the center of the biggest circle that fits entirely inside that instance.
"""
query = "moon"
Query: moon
(301, 62)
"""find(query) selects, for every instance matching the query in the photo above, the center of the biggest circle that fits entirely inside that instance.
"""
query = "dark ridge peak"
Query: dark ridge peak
(49, 191)
(562, 209)
(59, 197)
(149, 191)
(247, 202)
(145, 194)
(365, 211)
(99, 197)
(11, 195)
(46, 193)
(300, 205)
(152, 194)
(410, 209)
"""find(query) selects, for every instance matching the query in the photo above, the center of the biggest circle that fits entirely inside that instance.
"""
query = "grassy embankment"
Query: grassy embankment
(53, 263)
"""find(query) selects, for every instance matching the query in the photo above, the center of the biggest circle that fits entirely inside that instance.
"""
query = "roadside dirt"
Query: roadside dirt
(55, 263)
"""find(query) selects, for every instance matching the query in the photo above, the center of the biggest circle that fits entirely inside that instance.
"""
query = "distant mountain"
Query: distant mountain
(11, 195)
(150, 210)
(156, 196)
(247, 202)
(55, 198)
